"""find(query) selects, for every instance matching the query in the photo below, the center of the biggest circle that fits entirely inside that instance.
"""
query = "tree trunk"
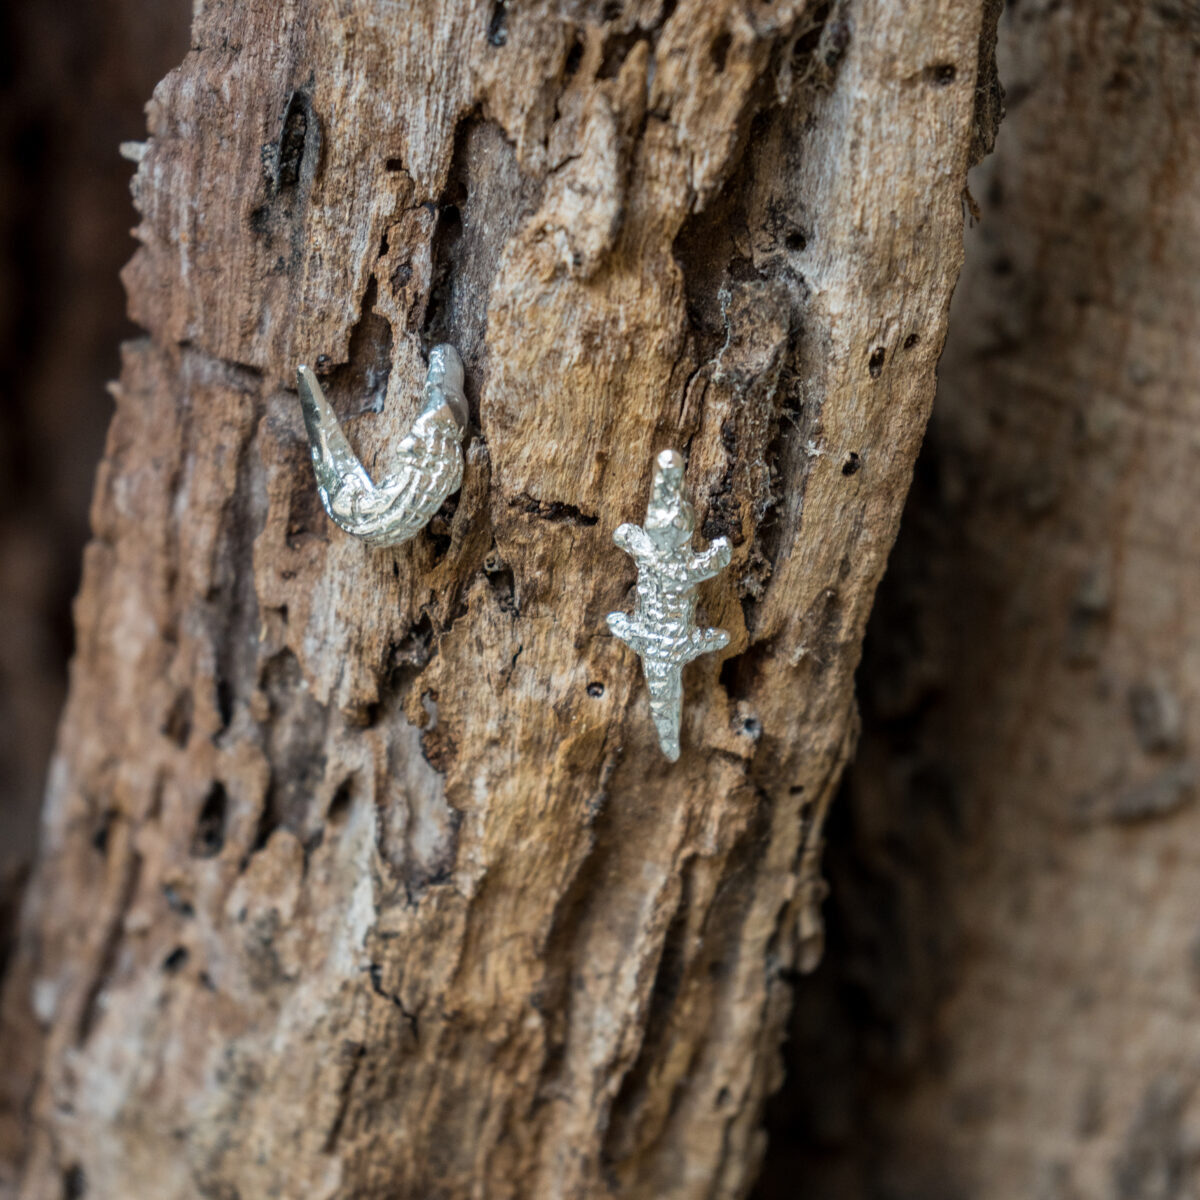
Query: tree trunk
(362, 872)
(1015, 871)
(74, 76)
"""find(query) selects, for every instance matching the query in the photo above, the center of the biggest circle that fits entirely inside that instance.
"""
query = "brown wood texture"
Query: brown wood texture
(1017, 864)
(362, 873)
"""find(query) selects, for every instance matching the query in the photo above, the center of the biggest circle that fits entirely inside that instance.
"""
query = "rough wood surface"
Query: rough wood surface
(1019, 884)
(363, 874)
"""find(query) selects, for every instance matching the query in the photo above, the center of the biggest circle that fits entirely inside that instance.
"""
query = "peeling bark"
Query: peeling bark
(362, 872)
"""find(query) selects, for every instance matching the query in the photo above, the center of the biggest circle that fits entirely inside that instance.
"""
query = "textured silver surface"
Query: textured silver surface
(429, 458)
(662, 628)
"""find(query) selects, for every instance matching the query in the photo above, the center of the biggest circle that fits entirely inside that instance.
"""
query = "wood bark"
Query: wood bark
(1015, 874)
(74, 77)
(362, 872)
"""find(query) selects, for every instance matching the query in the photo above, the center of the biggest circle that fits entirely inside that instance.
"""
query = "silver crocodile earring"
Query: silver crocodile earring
(429, 466)
(662, 629)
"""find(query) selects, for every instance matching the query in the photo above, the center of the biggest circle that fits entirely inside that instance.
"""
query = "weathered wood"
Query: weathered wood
(1025, 797)
(363, 873)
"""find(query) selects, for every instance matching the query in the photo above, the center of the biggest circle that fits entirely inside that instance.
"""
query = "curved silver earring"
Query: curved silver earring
(662, 629)
(430, 458)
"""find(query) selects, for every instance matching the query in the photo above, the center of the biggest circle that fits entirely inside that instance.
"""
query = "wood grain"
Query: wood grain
(1025, 796)
(362, 872)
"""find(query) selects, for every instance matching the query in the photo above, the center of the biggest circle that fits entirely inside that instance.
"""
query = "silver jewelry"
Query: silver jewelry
(662, 629)
(430, 458)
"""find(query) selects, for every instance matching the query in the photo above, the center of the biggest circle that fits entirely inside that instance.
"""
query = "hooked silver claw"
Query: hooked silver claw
(429, 467)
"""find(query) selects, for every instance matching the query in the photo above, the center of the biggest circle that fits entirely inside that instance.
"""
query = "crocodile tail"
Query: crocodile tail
(664, 682)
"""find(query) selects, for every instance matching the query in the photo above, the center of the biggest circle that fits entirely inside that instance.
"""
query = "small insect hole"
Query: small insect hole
(209, 835)
(498, 26)
(875, 362)
(224, 702)
(595, 689)
(720, 51)
(852, 463)
(176, 960)
(103, 829)
(339, 806)
(574, 57)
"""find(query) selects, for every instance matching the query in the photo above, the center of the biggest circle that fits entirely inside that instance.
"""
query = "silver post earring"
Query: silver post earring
(662, 629)
(429, 458)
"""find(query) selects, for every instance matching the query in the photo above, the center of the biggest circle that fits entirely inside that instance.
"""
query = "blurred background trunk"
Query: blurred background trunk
(74, 80)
